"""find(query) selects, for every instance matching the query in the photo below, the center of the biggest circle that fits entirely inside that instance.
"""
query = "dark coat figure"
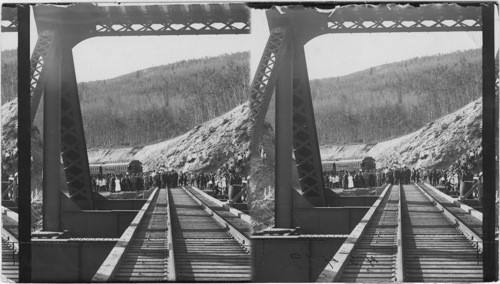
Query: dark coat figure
(345, 181)
(164, 180)
(139, 183)
(390, 177)
(157, 180)
(124, 184)
(112, 184)
(372, 181)
(133, 181)
(175, 177)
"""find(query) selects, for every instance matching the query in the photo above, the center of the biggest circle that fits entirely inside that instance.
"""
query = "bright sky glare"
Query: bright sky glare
(327, 56)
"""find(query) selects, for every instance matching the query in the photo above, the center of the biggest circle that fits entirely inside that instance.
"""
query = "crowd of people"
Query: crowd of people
(465, 169)
(371, 178)
(218, 183)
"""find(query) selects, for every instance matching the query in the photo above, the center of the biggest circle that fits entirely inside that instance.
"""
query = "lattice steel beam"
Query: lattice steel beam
(309, 22)
(264, 82)
(399, 18)
(73, 144)
(305, 137)
(123, 20)
(44, 52)
(9, 19)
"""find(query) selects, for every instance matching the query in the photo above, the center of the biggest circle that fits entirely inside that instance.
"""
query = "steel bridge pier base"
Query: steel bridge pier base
(52, 147)
(283, 154)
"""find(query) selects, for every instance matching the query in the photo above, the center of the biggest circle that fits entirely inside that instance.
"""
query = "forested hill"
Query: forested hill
(370, 106)
(9, 75)
(390, 100)
(157, 103)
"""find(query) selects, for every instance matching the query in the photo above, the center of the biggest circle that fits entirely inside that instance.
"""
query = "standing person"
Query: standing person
(118, 187)
(139, 183)
(112, 183)
(350, 181)
(145, 180)
(125, 183)
(103, 184)
(346, 180)
(164, 180)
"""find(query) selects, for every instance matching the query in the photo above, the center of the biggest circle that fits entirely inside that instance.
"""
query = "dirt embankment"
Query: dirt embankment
(436, 145)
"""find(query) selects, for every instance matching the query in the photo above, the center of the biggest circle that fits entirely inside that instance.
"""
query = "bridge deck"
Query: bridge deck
(10, 261)
(473, 223)
(434, 250)
(146, 259)
(204, 251)
(232, 219)
(374, 257)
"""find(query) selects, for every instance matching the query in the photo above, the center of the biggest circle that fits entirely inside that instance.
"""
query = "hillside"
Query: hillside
(394, 99)
(206, 147)
(436, 145)
(369, 106)
(9, 75)
(153, 104)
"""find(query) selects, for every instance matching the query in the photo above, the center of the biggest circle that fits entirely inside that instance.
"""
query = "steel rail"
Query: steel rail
(435, 249)
(172, 276)
(400, 254)
(110, 265)
(473, 212)
(206, 247)
(241, 215)
(466, 231)
(335, 268)
(232, 230)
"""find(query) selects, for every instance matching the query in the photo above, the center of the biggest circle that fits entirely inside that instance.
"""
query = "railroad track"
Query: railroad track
(205, 249)
(147, 255)
(10, 248)
(473, 223)
(10, 261)
(411, 237)
(373, 259)
(183, 236)
(434, 249)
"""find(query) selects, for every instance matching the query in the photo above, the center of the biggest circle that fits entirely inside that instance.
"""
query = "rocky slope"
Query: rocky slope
(9, 147)
(204, 148)
(436, 145)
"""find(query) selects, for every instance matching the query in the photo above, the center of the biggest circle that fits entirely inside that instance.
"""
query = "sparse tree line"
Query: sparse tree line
(394, 99)
(379, 103)
(154, 104)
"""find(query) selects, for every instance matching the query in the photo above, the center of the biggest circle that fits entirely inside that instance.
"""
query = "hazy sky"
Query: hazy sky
(327, 56)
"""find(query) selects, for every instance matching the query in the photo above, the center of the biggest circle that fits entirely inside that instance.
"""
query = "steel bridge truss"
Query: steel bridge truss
(61, 28)
(397, 18)
(291, 28)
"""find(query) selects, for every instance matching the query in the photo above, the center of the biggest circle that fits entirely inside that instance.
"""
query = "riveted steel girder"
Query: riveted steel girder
(264, 82)
(73, 144)
(9, 19)
(305, 137)
(404, 18)
(132, 20)
(44, 52)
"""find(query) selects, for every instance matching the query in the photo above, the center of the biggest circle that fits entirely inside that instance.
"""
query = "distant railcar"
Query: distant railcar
(134, 166)
(342, 165)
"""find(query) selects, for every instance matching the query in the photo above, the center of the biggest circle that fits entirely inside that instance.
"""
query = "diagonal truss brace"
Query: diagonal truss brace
(73, 145)
(305, 137)
(43, 53)
(264, 83)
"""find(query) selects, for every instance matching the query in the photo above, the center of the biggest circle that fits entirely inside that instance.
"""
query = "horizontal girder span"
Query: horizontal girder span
(125, 20)
(399, 18)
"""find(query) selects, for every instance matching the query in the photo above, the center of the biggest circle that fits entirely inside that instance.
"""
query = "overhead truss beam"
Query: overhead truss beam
(124, 20)
(403, 18)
